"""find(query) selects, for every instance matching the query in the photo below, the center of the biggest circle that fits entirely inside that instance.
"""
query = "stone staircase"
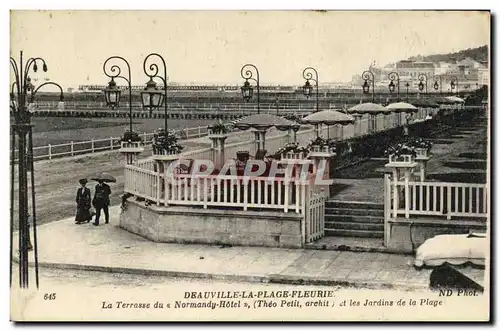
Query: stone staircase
(354, 219)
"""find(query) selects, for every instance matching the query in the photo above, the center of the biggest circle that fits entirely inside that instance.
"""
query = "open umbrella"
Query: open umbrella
(329, 117)
(105, 177)
(263, 122)
(442, 100)
(455, 99)
(402, 107)
(370, 108)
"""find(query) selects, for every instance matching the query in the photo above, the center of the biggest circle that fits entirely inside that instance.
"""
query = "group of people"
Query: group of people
(85, 202)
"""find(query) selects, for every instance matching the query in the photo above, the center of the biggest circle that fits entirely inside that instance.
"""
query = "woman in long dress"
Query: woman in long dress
(83, 200)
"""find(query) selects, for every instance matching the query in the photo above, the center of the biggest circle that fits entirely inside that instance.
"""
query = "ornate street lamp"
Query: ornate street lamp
(393, 76)
(22, 126)
(368, 76)
(421, 85)
(247, 89)
(151, 97)
(307, 88)
(438, 86)
(454, 83)
(112, 92)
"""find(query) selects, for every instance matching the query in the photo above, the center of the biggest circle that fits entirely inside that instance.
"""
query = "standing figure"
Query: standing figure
(101, 201)
(83, 198)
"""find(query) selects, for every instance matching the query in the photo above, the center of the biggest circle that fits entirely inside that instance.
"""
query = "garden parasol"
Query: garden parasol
(455, 99)
(263, 122)
(328, 117)
(370, 108)
(105, 177)
(402, 107)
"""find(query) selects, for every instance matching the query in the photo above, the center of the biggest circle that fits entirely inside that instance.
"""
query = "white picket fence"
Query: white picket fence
(240, 192)
(314, 221)
(444, 199)
(73, 148)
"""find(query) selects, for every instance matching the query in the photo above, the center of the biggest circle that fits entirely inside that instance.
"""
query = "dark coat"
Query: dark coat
(83, 197)
(101, 195)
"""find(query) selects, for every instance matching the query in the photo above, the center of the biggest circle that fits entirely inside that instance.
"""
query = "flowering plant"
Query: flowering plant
(400, 149)
(294, 118)
(319, 142)
(219, 128)
(420, 143)
(130, 136)
(168, 143)
(290, 148)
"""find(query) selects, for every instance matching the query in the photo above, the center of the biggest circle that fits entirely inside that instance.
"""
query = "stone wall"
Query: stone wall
(405, 232)
(210, 226)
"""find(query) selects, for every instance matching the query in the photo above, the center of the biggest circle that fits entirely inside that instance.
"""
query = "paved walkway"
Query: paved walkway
(109, 248)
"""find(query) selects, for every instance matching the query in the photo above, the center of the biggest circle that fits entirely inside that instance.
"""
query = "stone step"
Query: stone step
(355, 218)
(354, 204)
(354, 212)
(354, 226)
(353, 233)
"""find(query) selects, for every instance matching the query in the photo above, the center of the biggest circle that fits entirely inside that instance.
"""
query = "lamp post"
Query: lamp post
(112, 93)
(438, 86)
(368, 76)
(307, 74)
(454, 84)
(247, 89)
(407, 85)
(421, 85)
(393, 76)
(151, 97)
(19, 99)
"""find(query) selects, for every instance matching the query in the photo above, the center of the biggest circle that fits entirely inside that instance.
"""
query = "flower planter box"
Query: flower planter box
(293, 156)
(422, 152)
(217, 135)
(163, 155)
(132, 147)
(320, 149)
(402, 159)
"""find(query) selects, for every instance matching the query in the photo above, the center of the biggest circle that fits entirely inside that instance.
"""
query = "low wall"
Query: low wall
(210, 226)
(405, 232)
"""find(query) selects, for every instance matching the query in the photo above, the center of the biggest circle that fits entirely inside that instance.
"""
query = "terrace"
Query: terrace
(289, 209)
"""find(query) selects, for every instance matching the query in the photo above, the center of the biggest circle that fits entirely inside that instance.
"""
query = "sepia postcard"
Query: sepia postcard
(305, 165)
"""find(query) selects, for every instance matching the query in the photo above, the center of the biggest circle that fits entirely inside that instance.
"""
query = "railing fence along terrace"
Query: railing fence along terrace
(409, 198)
(73, 148)
(244, 192)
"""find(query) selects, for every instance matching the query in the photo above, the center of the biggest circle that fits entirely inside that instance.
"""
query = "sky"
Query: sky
(207, 47)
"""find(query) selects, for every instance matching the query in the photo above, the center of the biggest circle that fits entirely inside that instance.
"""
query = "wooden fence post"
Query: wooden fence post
(387, 209)
(72, 148)
(50, 151)
(92, 145)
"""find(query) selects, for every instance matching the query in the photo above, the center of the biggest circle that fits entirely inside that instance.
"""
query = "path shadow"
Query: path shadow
(366, 169)
(461, 177)
(441, 142)
(466, 165)
(337, 188)
(474, 155)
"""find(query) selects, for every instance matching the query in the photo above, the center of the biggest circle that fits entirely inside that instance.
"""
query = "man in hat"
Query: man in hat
(83, 197)
(101, 201)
